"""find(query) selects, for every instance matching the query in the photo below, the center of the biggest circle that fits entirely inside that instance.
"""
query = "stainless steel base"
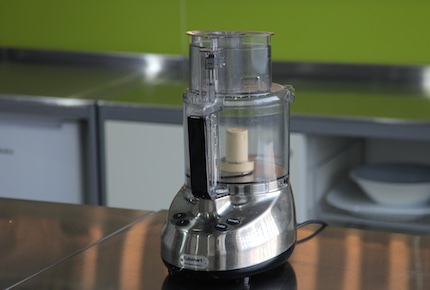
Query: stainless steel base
(229, 234)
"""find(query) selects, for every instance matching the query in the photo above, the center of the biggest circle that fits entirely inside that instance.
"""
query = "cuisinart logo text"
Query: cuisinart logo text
(194, 262)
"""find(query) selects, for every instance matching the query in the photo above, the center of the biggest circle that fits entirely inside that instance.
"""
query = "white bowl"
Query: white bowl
(395, 184)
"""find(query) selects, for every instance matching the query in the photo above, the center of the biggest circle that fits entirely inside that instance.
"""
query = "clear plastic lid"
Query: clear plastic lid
(241, 61)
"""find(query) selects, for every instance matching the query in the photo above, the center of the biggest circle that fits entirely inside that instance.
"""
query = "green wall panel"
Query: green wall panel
(131, 25)
(366, 31)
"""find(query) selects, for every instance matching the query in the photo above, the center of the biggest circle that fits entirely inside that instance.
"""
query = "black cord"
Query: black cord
(322, 224)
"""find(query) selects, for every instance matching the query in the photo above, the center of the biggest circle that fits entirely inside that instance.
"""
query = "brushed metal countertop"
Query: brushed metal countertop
(58, 246)
(34, 235)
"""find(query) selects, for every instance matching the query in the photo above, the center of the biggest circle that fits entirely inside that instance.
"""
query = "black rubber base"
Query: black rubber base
(185, 274)
(282, 277)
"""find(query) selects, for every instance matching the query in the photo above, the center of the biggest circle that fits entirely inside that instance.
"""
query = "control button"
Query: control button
(182, 223)
(221, 227)
(233, 221)
(179, 215)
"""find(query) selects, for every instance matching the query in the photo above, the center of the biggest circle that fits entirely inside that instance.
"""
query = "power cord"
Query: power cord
(322, 224)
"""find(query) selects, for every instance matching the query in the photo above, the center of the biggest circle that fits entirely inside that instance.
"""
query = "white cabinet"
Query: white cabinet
(144, 164)
(41, 159)
(299, 175)
(316, 164)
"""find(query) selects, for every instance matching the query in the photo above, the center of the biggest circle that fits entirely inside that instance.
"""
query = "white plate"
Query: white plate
(348, 196)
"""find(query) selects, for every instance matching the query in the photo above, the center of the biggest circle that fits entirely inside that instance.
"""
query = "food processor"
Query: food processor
(234, 216)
